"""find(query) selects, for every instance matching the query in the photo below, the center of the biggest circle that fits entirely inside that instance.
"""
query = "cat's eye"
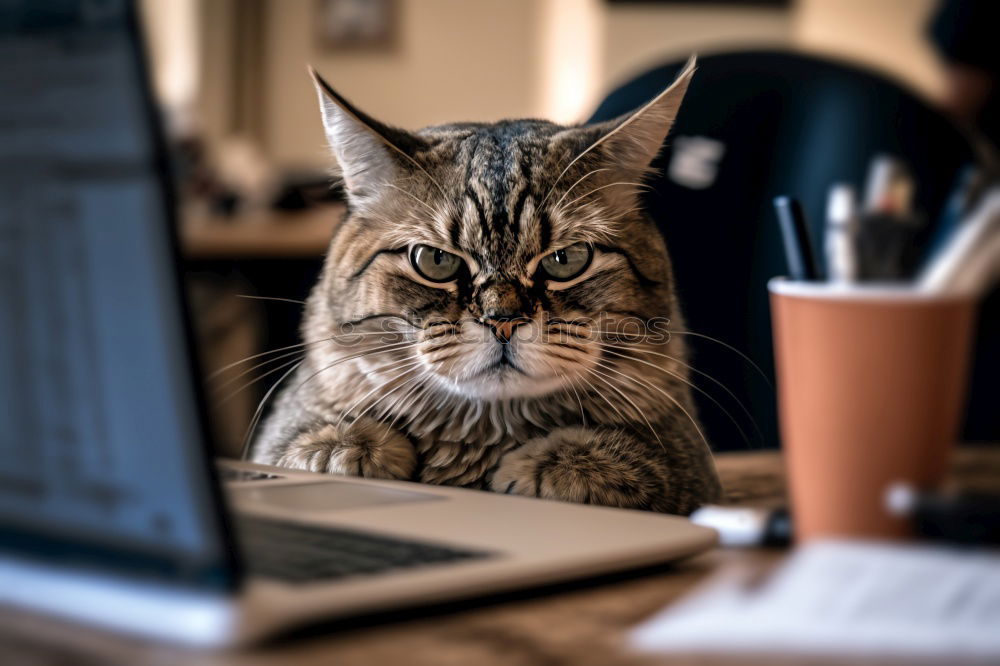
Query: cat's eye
(567, 263)
(434, 264)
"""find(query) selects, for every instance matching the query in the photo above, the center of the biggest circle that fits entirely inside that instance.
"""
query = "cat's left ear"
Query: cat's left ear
(632, 141)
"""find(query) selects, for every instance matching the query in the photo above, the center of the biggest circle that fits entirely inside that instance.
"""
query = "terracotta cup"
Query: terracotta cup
(871, 390)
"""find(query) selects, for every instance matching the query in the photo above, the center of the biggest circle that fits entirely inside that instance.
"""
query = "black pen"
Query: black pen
(795, 234)
(968, 518)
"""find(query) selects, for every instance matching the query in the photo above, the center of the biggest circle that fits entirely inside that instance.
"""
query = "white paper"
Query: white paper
(840, 598)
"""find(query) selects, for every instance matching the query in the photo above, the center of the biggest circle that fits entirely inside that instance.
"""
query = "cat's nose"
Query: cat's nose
(503, 324)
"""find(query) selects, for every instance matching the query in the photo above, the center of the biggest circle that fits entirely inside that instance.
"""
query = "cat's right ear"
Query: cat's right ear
(369, 154)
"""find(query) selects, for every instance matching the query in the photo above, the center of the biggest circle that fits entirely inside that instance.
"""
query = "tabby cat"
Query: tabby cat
(493, 314)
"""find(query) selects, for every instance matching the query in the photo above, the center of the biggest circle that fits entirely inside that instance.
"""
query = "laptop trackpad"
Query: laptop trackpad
(328, 496)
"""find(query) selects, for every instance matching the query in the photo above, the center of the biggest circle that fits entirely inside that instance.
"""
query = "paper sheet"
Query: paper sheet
(844, 598)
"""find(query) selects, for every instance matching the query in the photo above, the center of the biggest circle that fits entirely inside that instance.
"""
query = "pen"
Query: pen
(889, 188)
(965, 517)
(741, 526)
(954, 211)
(795, 234)
(841, 227)
(967, 262)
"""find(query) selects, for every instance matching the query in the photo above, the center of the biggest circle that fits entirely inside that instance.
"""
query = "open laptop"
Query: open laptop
(112, 511)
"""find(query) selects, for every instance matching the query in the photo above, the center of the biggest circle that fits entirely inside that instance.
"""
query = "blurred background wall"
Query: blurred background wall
(257, 207)
(238, 66)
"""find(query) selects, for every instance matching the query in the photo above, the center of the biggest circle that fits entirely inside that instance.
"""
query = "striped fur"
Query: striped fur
(402, 378)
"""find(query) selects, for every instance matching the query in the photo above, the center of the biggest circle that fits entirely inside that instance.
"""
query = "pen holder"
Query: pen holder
(871, 388)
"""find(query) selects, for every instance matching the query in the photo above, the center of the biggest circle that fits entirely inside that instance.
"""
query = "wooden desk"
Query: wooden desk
(581, 627)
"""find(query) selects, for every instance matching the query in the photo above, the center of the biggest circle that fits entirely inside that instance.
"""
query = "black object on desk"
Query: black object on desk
(799, 252)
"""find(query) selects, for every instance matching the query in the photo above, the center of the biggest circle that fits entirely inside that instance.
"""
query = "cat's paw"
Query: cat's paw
(580, 465)
(365, 448)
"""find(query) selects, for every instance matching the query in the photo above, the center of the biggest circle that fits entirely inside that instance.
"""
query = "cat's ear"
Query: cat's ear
(369, 154)
(632, 141)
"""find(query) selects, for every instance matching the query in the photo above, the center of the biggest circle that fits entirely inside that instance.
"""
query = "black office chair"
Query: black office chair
(755, 125)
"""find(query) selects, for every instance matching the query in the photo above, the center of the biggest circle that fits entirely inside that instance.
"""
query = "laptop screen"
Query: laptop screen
(102, 448)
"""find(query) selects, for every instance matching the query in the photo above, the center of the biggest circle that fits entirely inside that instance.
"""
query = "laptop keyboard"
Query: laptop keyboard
(296, 553)
(231, 474)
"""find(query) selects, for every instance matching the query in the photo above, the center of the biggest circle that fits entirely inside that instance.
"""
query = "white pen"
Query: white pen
(900, 197)
(968, 261)
(746, 526)
(885, 190)
(982, 268)
(841, 229)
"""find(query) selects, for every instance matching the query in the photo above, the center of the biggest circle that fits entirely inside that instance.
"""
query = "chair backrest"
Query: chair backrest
(755, 125)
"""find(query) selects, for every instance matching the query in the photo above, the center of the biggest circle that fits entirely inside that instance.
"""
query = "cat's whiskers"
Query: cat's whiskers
(299, 345)
(436, 357)
(378, 350)
(695, 387)
(618, 337)
(382, 317)
(615, 349)
(702, 373)
(257, 366)
(569, 383)
(628, 211)
(401, 368)
(279, 299)
(624, 417)
(403, 404)
(638, 186)
(437, 334)
(579, 400)
(438, 347)
(449, 399)
(596, 390)
(613, 342)
(578, 181)
(588, 223)
(731, 348)
(569, 333)
(419, 376)
(418, 200)
(229, 396)
(679, 406)
(295, 365)
(638, 411)
(255, 420)
(579, 157)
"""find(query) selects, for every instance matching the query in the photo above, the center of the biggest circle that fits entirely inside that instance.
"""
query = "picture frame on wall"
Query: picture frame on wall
(348, 25)
(776, 4)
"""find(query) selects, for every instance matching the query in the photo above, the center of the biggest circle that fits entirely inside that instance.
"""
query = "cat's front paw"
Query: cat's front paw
(581, 465)
(365, 448)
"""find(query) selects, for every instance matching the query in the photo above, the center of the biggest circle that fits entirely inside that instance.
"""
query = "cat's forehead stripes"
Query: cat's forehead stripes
(498, 190)
(497, 183)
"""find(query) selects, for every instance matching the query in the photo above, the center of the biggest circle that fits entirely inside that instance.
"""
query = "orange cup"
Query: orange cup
(871, 390)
